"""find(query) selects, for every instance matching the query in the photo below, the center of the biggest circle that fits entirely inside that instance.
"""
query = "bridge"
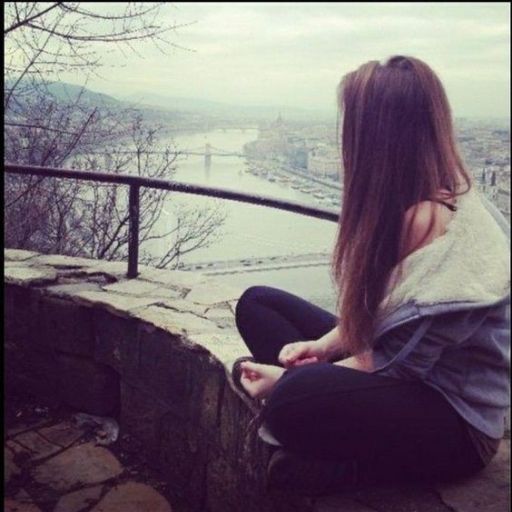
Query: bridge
(210, 150)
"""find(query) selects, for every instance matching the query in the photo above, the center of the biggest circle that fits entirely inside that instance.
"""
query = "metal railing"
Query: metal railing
(136, 182)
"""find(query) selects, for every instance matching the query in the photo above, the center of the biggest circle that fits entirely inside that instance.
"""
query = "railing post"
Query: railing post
(133, 232)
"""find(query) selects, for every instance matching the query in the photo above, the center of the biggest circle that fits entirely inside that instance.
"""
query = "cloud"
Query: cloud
(295, 53)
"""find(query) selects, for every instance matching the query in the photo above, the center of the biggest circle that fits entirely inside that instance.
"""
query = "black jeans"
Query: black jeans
(391, 429)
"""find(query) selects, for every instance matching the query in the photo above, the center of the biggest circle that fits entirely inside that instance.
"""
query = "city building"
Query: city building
(502, 200)
(324, 160)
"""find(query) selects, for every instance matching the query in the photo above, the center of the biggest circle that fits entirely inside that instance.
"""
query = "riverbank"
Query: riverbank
(323, 192)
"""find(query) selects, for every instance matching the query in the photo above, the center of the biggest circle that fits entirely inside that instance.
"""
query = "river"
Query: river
(250, 230)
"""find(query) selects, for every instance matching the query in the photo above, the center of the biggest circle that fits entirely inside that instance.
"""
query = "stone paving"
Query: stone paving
(51, 465)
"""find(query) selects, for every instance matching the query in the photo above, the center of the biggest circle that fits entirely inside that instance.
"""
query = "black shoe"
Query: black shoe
(309, 477)
(236, 374)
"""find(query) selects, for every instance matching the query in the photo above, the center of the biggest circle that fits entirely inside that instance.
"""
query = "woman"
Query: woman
(411, 378)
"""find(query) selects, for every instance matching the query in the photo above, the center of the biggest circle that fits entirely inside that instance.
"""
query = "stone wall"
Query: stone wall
(154, 352)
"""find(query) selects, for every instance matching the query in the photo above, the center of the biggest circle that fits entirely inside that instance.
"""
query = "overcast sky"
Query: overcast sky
(294, 54)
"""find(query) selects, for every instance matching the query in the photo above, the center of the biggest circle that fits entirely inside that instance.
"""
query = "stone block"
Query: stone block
(206, 396)
(116, 342)
(223, 486)
(88, 386)
(132, 497)
(33, 446)
(85, 464)
(212, 292)
(68, 290)
(139, 287)
(183, 456)
(183, 305)
(172, 278)
(175, 322)
(21, 315)
(18, 255)
(79, 500)
(66, 326)
(234, 426)
(167, 368)
(29, 276)
(61, 261)
(229, 487)
(63, 434)
(121, 305)
(114, 269)
(226, 346)
(141, 414)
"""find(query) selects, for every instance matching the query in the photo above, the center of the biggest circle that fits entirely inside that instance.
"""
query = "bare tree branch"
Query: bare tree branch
(30, 18)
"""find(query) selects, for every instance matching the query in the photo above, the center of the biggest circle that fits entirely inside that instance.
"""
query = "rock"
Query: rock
(114, 269)
(215, 313)
(141, 413)
(182, 305)
(59, 260)
(223, 317)
(14, 263)
(78, 500)
(63, 434)
(67, 290)
(18, 255)
(173, 321)
(132, 497)
(10, 468)
(176, 278)
(85, 464)
(116, 341)
(139, 287)
(12, 505)
(34, 445)
(117, 304)
(29, 276)
(488, 490)
(213, 292)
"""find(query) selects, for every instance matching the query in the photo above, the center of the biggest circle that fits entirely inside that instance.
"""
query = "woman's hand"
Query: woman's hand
(302, 352)
(259, 379)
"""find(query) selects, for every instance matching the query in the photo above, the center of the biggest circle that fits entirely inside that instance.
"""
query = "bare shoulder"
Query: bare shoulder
(423, 223)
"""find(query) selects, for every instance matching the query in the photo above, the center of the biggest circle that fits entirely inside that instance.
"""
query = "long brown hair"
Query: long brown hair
(398, 149)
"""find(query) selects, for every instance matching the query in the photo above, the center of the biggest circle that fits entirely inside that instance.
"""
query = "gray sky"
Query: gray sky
(294, 54)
